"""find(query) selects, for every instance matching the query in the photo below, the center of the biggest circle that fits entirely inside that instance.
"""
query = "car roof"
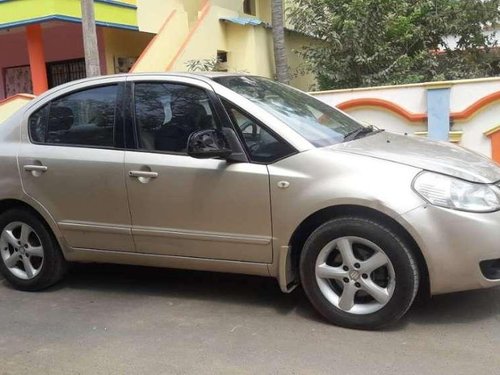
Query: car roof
(201, 76)
(204, 76)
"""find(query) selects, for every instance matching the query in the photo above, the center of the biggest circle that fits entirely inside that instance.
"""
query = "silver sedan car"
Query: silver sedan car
(237, 173)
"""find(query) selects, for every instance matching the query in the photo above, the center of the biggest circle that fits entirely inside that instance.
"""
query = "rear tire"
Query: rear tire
(30, 257)
(358, 273)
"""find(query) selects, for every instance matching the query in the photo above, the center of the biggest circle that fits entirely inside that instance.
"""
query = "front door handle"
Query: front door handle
(143, 174)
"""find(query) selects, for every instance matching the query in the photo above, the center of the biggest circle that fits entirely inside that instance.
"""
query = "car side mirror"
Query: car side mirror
(207, 144)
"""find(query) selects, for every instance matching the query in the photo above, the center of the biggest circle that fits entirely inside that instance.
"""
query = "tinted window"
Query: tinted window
(262, 146)
(38, 125)
(167, 114)
(84, 118)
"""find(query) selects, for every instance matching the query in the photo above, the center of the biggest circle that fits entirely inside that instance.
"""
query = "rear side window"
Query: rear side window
(83, 118)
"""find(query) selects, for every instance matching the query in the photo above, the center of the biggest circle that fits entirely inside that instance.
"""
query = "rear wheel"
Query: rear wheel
(358, 273)
(30, 257)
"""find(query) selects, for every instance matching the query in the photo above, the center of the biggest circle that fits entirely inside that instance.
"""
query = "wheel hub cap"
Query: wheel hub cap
(355, 275)
(21, 250)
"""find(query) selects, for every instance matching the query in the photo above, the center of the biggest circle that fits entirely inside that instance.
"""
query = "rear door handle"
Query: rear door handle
(144, 174)
(35, 168)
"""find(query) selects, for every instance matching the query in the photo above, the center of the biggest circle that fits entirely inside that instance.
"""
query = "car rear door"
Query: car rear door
(71, 162)
(182, 206)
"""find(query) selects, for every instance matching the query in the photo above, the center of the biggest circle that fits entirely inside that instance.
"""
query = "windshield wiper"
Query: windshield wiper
(354, 134)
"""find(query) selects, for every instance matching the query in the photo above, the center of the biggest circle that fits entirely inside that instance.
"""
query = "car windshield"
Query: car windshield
(317, 122)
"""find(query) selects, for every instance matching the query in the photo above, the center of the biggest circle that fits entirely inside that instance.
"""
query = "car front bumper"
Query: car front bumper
(454, 243)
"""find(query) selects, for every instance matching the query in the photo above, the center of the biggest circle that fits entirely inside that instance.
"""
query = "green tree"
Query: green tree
(374, 42)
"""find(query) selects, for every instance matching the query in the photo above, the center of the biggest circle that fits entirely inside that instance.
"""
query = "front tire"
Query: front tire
(30, 257)
(358, 273)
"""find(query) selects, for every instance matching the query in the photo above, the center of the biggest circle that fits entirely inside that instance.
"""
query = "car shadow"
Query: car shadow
(456, 308)
(187, 284)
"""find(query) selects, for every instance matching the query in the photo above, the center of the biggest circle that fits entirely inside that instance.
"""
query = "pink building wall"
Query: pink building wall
(62, 41)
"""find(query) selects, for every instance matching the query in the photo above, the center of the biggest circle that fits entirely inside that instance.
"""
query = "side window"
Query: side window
(167, 114)
(262, 146)
(83, 118)
(37, 124)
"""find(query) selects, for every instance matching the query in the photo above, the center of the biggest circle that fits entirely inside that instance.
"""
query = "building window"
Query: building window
(60, 72)
(249, 7)
(17, 80)
(221, 61)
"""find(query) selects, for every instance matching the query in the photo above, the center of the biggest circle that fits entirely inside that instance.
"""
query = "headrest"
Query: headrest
(60, 118)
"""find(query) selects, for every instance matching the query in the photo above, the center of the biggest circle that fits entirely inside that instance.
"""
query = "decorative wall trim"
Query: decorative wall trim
(385, 104)
(492, 130)
(467, 113)
(453, 136)
(476, 107)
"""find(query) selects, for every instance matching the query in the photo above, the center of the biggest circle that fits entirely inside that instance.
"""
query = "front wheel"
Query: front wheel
(358, 273)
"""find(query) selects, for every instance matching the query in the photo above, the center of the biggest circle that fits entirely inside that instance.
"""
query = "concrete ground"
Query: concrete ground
(129, 320)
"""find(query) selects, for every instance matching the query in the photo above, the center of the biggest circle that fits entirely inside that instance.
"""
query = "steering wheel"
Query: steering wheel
(255, 135)
(247, 125)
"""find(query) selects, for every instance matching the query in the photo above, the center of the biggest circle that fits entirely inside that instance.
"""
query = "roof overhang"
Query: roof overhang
(243, 21)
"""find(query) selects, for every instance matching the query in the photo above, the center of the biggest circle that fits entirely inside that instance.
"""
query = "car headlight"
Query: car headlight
(449, 192)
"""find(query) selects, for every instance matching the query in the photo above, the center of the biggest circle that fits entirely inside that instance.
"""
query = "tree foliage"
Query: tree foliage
(374, 42)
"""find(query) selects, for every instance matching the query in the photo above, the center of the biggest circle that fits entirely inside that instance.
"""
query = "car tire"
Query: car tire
(30, 256)
(358, 273)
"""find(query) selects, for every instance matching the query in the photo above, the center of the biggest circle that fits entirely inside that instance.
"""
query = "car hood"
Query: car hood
(441, 157)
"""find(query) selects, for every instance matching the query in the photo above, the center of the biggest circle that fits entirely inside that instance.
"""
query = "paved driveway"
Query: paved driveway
(128, 320)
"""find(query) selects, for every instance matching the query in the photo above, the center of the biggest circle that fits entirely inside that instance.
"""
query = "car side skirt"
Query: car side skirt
(165, 261)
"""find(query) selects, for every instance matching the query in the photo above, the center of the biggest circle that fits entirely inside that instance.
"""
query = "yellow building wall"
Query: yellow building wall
(263, 10)
(183, 38)
(263, 52)
(165, 45)
(151, 14)
(21, 10)
(240, 54)
(204, 40)
(242, 42)
(234, 5)
(192, 8)
(123, 43)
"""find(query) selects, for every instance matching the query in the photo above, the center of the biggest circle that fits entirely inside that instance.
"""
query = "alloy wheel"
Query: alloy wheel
(355, 275)
(21, 250)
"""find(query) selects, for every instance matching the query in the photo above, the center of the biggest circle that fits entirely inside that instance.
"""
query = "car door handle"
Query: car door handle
(144, 174)
(35, 168)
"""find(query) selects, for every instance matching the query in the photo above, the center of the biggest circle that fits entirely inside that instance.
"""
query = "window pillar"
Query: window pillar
(37, 58)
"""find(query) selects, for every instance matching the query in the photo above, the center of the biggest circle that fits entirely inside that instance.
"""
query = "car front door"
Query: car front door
(71, 162)
(182, 206)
